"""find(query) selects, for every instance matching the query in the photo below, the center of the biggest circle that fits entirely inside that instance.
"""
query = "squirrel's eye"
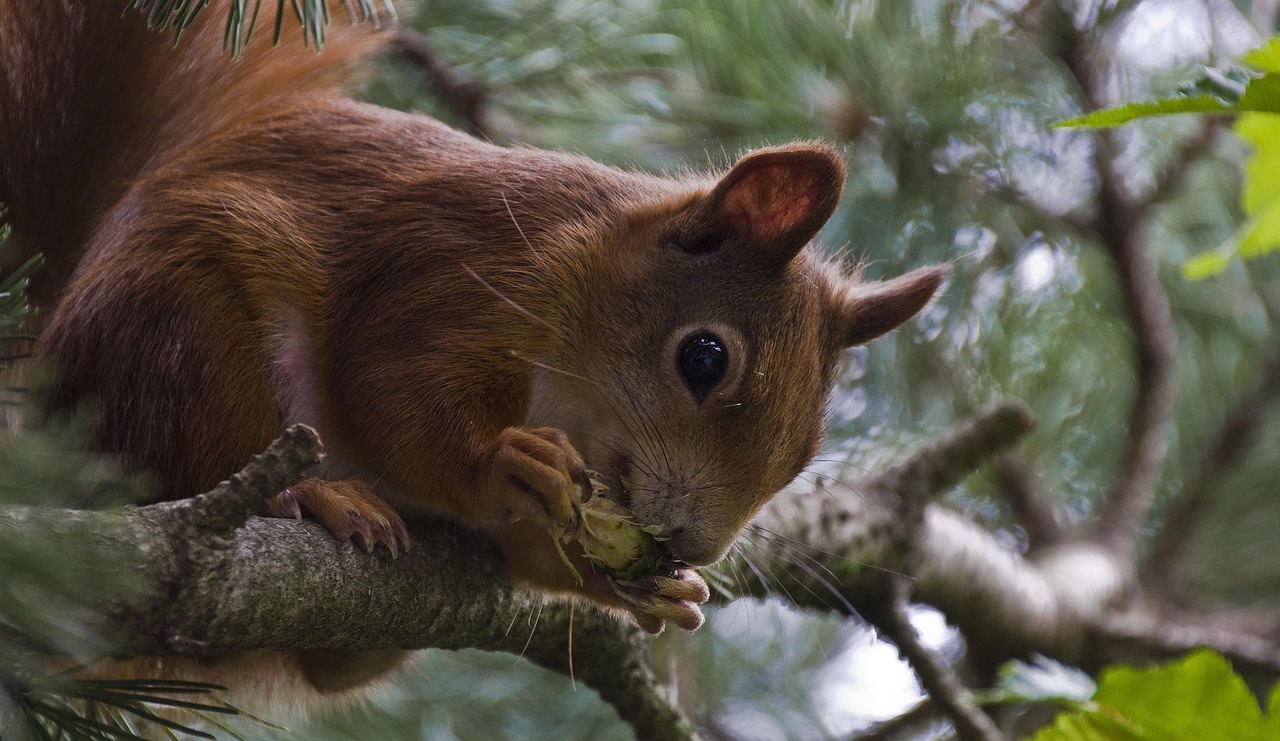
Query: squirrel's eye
(701, 361)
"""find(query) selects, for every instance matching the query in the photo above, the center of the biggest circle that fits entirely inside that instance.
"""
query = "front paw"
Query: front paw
(350, 510)
(657, 600)
(533, 476)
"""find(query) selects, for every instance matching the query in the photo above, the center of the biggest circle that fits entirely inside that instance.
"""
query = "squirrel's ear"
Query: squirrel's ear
(776, 199)
(868, 310)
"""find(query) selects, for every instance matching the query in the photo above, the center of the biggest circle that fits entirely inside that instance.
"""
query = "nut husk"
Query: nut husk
(609, 537)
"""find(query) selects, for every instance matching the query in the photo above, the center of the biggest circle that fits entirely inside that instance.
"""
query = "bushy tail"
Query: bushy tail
(90, 98)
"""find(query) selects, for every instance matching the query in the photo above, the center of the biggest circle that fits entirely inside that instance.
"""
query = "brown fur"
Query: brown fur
(440, 308)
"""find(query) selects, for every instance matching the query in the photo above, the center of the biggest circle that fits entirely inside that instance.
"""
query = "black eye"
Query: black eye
(701, 361)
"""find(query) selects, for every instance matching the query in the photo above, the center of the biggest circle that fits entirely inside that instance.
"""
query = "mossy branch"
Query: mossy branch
(214, 578)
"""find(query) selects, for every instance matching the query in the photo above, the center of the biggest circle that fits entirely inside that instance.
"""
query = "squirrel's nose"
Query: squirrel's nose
(694, 547)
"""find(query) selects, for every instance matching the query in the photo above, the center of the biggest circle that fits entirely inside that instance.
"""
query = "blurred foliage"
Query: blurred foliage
(313, 15)
(475, 695)
(53, 592)
(1253, 92)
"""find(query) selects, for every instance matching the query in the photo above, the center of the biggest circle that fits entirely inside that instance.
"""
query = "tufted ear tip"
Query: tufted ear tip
(870, 310)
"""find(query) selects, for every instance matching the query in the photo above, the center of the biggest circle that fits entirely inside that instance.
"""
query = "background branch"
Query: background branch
(1117, 226)
(1031, 504)
(936, 675)
(1233, 440)
(455, 90)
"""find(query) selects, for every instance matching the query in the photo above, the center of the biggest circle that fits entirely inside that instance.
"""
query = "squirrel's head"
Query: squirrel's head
(697, 379)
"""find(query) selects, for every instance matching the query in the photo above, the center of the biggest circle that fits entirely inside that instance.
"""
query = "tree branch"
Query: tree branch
(276, 583)
(1233, 441)
(1155, 341)
(459, 93)
(1031, 505)
(924, 711)
(832, 552)
(209, 587)
(936, 676)
(1122, 633)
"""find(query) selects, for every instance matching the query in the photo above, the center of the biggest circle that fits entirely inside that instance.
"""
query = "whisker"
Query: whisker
(652, 437)
(573, 681)
(519, 309)
(768, 587)
(800, 544)
(737, 577)
(868, 472)
(514, 221)
(532, 630)
(552, 368)
(797, 558)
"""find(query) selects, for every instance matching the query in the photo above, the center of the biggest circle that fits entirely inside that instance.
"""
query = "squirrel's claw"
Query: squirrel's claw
(348, 509)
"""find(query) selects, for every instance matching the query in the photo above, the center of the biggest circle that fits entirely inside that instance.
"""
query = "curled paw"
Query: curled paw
(656, 600)
(534, 474)
(348, 509)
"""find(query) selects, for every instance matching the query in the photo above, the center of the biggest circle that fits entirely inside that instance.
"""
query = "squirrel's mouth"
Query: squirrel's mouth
(617, 466)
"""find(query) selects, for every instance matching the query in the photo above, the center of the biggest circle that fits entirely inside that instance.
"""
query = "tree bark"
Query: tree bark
(214, 577)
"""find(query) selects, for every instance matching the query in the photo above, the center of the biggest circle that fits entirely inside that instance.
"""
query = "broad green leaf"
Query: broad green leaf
(1260, 198)
(1265, 57)
(1198, 697)
(1261, 234)
(1262, 176)
(1262, 94)
(1089, 726)
(1273, 705)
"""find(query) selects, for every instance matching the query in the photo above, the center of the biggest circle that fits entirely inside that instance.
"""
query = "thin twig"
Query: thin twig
(1190, 149)
(1032, 506)
(936, 676)
(946, 460)
(461, 94)
(1169, 637)
(229, 504)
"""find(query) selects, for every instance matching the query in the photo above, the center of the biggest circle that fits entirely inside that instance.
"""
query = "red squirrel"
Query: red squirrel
(238, 245)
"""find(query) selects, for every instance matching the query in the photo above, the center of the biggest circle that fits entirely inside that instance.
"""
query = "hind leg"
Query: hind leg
(172, 370)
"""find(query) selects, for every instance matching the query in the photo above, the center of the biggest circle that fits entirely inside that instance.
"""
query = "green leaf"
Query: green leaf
(1261, 95)
(1262, 181)
(1206, 264)
(1108, 117)
(1198, 697)
(1273, 705)
(1088, 726)
(1265, 57)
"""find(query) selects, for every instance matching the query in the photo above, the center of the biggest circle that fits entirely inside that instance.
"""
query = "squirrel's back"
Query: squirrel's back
(60, 169)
